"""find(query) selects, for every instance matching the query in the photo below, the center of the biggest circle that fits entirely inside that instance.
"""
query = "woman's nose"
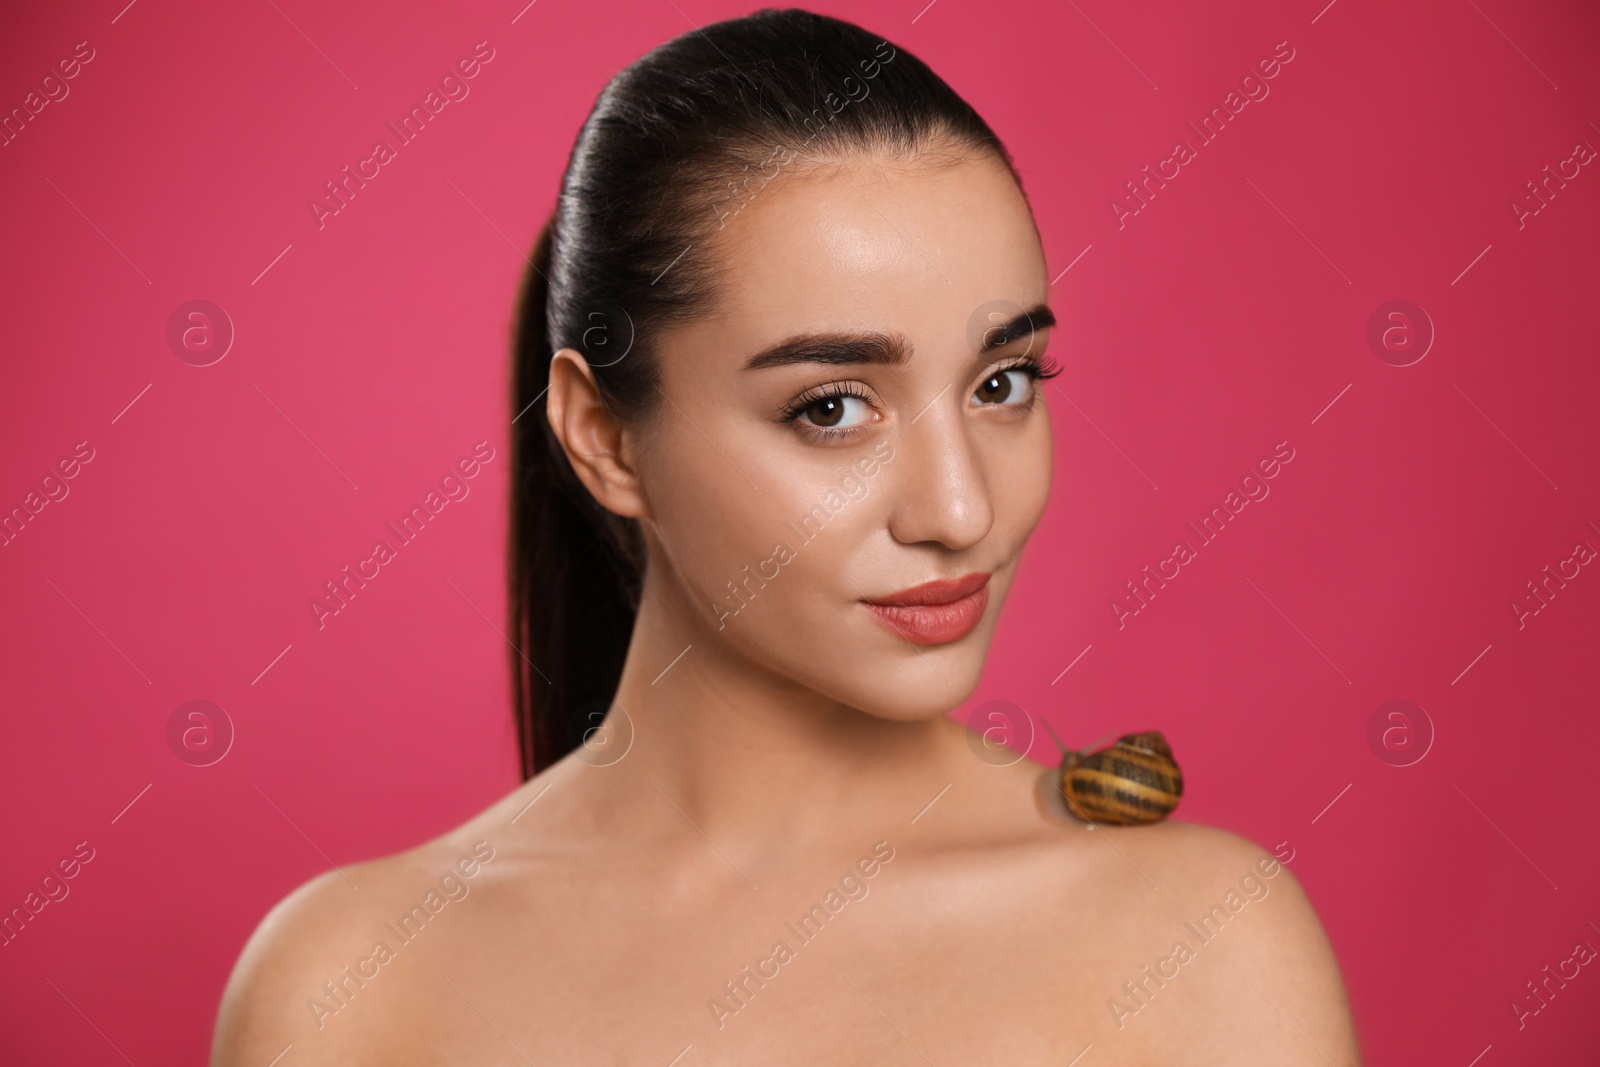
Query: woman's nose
(941, 491)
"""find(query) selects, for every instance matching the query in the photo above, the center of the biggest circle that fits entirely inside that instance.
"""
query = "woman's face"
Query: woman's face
(847, 468)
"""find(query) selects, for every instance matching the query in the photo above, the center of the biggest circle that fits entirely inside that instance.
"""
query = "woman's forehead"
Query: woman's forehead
(905, 248)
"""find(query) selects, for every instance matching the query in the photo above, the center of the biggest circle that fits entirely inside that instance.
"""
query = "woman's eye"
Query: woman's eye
(1005, 387)
(837, 412)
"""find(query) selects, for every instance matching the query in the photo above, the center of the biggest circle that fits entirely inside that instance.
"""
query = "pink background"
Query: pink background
(1223, 318)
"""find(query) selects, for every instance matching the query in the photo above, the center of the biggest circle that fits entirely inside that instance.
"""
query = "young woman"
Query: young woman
(780, 440)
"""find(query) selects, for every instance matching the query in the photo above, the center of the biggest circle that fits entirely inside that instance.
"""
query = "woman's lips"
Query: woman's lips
(935, 612)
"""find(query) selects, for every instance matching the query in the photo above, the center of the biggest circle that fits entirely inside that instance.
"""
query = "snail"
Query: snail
(1132, 783)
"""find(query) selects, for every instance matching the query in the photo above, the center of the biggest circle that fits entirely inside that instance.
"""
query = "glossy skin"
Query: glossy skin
(761, 765)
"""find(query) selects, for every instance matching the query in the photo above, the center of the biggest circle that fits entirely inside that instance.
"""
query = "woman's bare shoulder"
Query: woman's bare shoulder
(1191, 850)
(293, 950)
(1222, 909)
(306, 959)
(1194, 866)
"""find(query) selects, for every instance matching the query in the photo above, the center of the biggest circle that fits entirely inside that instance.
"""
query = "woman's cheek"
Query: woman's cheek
(1041, 472)
(1020, 475)
(1017, 473)
(738, 550)
(708, 524)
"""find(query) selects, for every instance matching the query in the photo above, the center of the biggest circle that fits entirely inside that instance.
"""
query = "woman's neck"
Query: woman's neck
(748, 758)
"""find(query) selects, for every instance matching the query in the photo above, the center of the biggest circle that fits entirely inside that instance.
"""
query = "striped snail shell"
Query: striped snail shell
(1132, 783)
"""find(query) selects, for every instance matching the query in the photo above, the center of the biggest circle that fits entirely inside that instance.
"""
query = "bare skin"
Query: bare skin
(627, 904)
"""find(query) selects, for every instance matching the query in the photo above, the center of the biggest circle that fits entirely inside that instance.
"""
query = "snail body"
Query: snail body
(1131, 783)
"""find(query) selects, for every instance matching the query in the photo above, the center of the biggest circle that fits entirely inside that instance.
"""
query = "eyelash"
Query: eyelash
(1036, 369)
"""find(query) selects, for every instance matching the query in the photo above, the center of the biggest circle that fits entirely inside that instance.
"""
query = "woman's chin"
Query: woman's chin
(920, 690)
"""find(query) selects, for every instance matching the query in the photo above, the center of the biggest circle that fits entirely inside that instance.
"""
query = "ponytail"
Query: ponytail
(574, 568)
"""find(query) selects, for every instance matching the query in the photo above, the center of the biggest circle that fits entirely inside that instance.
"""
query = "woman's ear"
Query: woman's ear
(594, 440)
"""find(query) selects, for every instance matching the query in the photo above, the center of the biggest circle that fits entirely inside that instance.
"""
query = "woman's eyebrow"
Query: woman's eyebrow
(874, 347)
(1035, 318)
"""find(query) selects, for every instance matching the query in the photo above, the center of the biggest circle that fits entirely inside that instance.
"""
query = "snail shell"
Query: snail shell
(1134, 782)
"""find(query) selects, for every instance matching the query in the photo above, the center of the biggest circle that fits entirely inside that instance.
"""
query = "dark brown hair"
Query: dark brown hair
(677, 143)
